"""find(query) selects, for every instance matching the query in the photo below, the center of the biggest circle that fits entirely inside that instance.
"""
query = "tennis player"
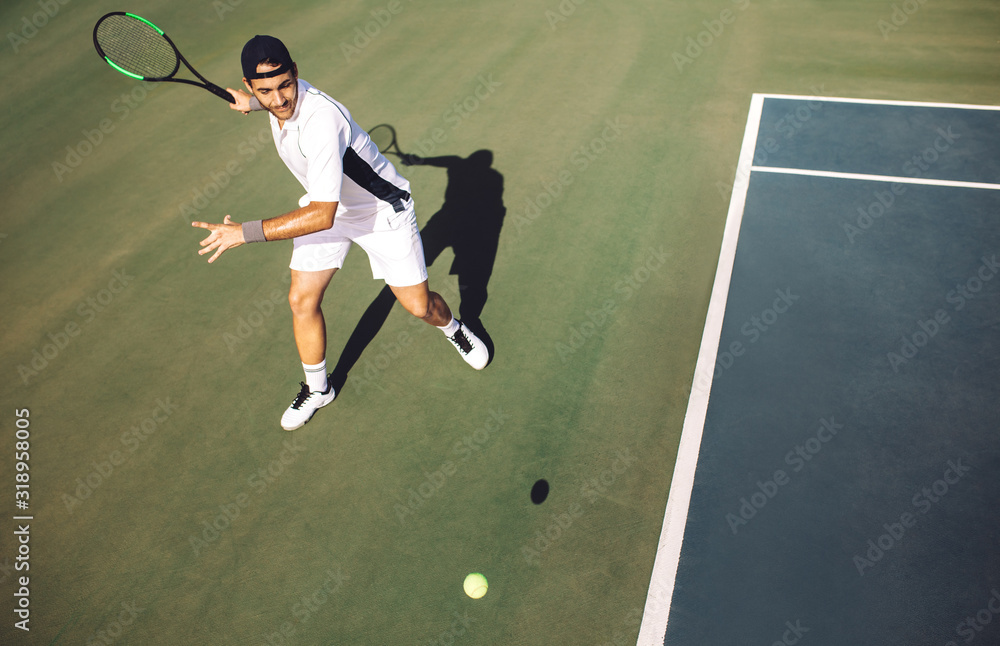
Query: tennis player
(353, 194)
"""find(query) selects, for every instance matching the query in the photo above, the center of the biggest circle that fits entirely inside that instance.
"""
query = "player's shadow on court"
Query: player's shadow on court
(469, 221)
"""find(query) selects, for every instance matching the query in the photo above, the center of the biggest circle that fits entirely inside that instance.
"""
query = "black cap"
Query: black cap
(259, 48)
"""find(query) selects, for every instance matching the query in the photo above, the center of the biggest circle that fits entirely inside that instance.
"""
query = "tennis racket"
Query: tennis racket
(139, 49)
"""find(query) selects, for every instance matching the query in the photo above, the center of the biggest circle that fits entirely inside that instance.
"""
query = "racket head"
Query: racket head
(383, 136)
(135, 47)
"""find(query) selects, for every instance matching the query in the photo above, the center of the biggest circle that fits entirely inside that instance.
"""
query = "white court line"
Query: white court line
(668, 552)
(874, 178)
(656, 614)
(919, 104)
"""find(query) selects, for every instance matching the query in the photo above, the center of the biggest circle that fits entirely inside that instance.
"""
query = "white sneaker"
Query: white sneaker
(470, 347)
(305, 405)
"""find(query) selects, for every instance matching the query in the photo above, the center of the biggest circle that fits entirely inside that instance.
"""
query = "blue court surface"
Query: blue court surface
(837, 478)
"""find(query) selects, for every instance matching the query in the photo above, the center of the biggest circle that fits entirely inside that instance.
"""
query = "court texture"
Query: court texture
(720, 253)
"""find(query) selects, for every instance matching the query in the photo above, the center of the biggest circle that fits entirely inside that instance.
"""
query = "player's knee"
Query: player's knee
(421, 312)
(421, 308)
(302, 302)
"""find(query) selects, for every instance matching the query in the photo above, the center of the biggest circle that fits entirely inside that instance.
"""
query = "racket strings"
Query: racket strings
(136, 47)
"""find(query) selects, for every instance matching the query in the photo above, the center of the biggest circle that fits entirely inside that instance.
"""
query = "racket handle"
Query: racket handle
(218, 91)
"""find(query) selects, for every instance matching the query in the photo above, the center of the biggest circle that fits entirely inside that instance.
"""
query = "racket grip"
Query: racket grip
(218, 91)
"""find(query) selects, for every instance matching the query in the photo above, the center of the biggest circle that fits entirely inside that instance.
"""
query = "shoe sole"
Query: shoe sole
(302, 424)
(310, 417)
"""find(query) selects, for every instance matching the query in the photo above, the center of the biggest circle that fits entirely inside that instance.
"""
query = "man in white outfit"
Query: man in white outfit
(353, 194)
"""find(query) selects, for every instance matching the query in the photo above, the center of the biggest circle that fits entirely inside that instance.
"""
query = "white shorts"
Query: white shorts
(391, 240)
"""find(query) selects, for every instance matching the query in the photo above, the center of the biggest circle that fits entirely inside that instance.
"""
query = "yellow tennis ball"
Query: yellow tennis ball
(475, 585)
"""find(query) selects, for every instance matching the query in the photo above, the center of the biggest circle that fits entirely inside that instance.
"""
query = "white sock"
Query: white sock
(316, 376)
(451, 328)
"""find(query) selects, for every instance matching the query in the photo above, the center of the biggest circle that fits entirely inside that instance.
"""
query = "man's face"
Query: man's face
(277, 94)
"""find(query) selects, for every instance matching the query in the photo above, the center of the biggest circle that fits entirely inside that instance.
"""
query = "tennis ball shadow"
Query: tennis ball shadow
(540, 492)
(469, 221)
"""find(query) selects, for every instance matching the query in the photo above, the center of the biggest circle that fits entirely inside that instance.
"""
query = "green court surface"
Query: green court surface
(168, 507)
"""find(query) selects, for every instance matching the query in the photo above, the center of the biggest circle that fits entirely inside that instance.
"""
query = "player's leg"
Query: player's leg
(419, 301)
(396, 253)
(429, 306)
(305, 296)
(315, 259)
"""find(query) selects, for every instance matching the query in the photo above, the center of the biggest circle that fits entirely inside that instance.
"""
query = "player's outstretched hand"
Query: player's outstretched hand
(242, 100)
(224, 236)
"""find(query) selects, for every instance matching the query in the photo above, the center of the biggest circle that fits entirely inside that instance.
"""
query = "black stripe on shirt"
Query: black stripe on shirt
(365, 176)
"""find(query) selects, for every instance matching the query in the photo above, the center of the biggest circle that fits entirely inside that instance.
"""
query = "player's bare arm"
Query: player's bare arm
(313, 217)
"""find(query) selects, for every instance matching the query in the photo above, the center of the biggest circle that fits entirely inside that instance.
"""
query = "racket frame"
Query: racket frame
(208, 85)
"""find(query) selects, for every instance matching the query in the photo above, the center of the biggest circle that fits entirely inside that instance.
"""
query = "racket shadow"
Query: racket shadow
(469, 221)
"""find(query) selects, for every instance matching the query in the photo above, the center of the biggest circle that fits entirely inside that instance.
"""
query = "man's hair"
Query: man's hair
(277, 64)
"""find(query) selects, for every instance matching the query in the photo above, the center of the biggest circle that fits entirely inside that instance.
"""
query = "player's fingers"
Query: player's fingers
(227, 220)
(212, 241)
(241, 101)
(216, 255)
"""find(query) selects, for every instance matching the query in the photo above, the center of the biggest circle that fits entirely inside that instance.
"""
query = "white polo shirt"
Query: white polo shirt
(334, 159)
